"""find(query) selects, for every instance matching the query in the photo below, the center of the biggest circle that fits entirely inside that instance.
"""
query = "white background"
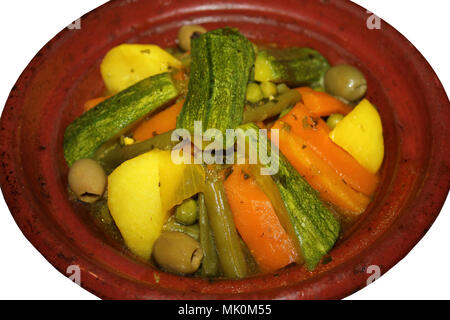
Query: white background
(25, 26)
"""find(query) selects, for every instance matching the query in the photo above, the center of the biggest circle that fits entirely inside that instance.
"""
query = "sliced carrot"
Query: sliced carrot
(322, 104)
(161, 122)
(317, 172)
(180, 75)
(93, 102)
(314, 131)
(257, 222)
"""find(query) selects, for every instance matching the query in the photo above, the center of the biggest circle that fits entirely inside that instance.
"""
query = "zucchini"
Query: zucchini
(221, 64)
(314, 225)
(294, 66)
(116, 115)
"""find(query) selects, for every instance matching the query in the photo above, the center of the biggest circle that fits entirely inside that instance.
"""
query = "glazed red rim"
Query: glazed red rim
(50, 92)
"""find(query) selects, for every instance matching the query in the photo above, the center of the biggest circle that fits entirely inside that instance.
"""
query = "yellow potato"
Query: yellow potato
(135, 203)
(141, 191)
(127, 64)
(360, 133)
(179, 182)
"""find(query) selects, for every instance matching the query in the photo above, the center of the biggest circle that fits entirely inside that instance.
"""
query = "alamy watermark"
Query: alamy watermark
(373, 22)
(375, 273)
(74, 273)
(236, 146)
(76, 25)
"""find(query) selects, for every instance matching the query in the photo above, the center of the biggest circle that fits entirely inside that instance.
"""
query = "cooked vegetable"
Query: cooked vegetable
(161, 122)
(135, 203)
(192, 230)
(318, 173)
(346, 82)
(93, 102)
(112, 156)
(221, 63)
(178, 181)
(116, 115)
(127, 64)
(293, 66)
(269, 89)
(187, 33)
(210, 265)
(321, 103)
(220, 220)
(87, 179)
(254, 93)
(334, 119)
(314, 131)
(257, 222)
(142, 190)
(282, 88)
(187, 212)
(271, 108)
(231, 256)
(361, 134)
(270, 189)
(315, 227)
(177, 252)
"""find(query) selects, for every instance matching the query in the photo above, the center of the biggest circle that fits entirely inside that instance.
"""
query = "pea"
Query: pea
(254, 93)
(346, 82)
(334, 119)
(187, 212)
(282, 88)
(268, 89)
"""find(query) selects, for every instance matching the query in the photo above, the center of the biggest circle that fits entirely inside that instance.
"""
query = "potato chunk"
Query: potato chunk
(127, 64)
(135, 203)
(141, 192)
(360, 133)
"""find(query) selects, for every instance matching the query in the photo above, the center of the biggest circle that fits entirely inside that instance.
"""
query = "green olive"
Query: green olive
(268, 89)
(346, 82)
(334, 119)
(282, 88)
(186, 33)
(187, 212)
(254, 93)
(177, 252)
(87, 179)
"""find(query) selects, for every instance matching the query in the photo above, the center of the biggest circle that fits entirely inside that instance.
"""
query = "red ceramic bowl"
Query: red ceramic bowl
(65, 73)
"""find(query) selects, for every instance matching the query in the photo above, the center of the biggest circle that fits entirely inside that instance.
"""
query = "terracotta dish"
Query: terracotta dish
(51, 91)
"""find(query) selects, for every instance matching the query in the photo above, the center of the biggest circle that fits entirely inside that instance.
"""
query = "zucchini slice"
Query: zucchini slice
(116, 115)
(315, 227)
(222, 61)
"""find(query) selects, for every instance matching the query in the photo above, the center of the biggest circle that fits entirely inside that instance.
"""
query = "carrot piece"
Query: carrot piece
(317, 172)
(257, 222)
(180, 75)
(314, 131)
(93, 102)
(321, 103)
(159, 123)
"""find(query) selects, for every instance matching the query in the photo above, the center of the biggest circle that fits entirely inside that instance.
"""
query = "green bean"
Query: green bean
(192, 230)
(251, 263)
(272, 108)
(231, 256)
(187, 213)
(112, 156)
(282, 88)
(210, 265)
